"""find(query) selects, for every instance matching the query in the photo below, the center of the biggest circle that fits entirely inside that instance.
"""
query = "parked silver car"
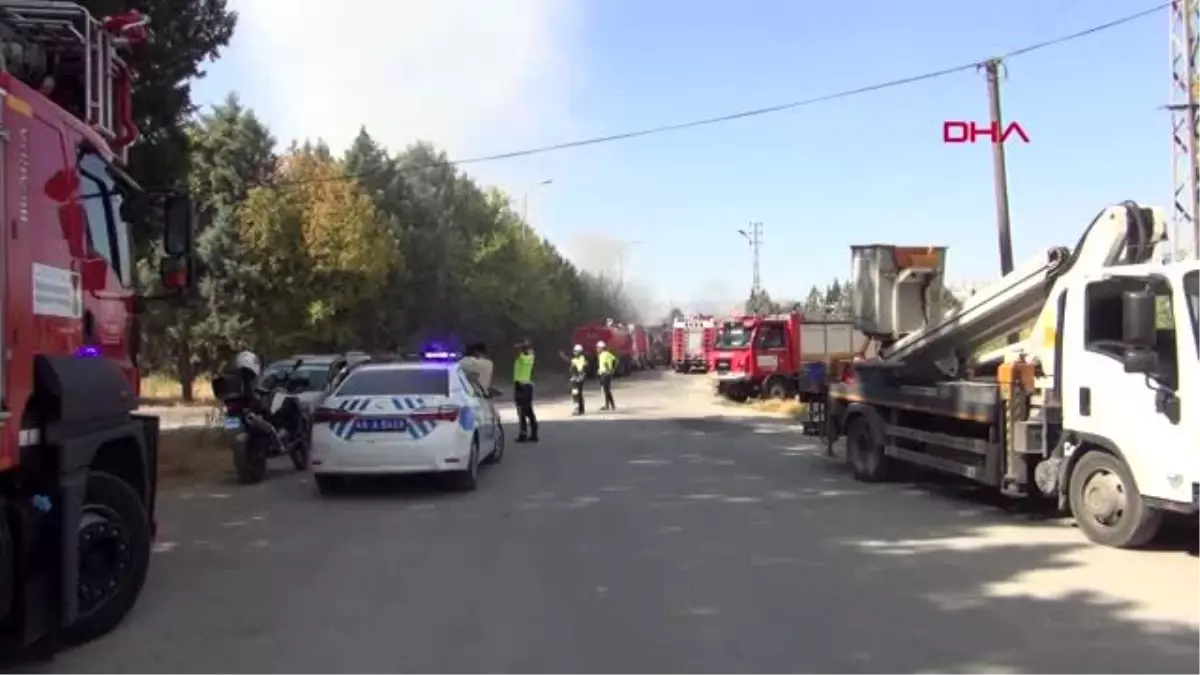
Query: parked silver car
(318, 369)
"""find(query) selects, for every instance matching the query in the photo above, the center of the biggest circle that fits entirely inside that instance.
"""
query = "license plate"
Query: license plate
(381, 424)
(232, 423)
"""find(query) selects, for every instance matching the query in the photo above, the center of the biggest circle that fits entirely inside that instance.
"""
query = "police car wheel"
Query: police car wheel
(467, 479)
(497, 449)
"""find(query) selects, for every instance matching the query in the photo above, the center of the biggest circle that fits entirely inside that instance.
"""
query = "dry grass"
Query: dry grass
(786, 408)
(160, 390)
(193, 455)
(790, 408)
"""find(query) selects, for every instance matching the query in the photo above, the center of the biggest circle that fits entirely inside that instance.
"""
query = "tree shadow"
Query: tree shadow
(679, 544)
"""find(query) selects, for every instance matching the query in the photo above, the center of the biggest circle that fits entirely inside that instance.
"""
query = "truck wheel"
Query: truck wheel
(1106, 503)
(777, 388)
(865, 455)
(114, 552)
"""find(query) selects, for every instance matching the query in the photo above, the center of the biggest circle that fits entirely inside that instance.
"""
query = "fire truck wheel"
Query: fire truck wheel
(1106, 503)
(865, 454)
(777, 388)
(114, 551)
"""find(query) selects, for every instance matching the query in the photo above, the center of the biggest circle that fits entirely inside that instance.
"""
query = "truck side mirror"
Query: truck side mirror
(1140, 361)
(175, 272)
(1138, 320)
(177, 225)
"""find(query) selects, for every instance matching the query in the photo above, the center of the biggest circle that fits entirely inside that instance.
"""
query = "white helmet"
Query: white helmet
(578, 349)
(600, 344)
(249, 361)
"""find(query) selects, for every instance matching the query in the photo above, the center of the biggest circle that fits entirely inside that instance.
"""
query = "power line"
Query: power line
(756, 112)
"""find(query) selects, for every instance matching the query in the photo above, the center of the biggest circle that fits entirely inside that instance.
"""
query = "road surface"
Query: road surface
(677, 534)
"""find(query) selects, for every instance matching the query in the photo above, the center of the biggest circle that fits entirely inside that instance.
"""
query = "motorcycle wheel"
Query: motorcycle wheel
(249, 462)
(301, 449)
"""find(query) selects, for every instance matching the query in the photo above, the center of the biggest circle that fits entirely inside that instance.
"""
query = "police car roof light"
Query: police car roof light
(440, 356)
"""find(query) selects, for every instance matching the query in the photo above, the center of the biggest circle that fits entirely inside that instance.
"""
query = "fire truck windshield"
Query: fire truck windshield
(107, 232)
(732, 336)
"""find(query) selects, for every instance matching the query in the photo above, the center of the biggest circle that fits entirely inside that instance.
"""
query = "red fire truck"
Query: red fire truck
(642, 358)
(617, 337)
(691, 343)
(77, 465)
(772, 356)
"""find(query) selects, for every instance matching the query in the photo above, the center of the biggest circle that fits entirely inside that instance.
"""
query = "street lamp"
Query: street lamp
(525, 199)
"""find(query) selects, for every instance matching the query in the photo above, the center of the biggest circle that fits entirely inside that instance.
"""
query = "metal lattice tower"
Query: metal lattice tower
(755, 238)
(1185, 130)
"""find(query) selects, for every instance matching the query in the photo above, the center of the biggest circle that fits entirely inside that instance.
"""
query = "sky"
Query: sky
(478, 77)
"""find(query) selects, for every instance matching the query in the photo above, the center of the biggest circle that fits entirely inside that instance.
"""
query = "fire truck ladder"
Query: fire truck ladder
(65, 30)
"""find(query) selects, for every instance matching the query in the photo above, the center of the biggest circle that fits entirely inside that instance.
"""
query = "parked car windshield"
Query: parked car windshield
(1190, 283)
(317, 372)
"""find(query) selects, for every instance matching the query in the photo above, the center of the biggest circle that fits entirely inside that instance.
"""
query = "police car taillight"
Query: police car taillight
(444, 413)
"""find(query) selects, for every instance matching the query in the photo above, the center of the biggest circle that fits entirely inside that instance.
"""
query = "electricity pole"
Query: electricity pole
(1185, 158)
(754, 237)
(999, 168)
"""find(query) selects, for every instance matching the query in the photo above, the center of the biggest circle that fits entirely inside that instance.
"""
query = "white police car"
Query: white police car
(397, 417)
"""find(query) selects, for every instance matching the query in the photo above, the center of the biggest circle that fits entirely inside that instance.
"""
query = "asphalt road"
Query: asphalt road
(671, 536)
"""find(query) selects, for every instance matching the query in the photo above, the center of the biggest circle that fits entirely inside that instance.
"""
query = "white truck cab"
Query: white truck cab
(1129, 371)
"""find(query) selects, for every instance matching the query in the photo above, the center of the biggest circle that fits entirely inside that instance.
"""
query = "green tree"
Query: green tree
(186, 34)
(232, 151)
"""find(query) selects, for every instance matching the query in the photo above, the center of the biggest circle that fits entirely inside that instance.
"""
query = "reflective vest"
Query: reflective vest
(523, 369)
(607, 363)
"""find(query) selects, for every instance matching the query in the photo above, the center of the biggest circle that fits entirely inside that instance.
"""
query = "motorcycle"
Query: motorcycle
(264, 420)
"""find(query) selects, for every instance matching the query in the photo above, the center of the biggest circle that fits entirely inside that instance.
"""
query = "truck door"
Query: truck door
(1127, 410)
(771, 348)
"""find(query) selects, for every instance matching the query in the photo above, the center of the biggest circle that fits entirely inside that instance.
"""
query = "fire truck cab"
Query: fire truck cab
(77, 464)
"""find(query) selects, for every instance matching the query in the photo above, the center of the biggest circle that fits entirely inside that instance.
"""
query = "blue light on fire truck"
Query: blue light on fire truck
(87, 352)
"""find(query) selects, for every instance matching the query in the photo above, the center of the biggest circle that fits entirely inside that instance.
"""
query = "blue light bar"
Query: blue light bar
(440, 356)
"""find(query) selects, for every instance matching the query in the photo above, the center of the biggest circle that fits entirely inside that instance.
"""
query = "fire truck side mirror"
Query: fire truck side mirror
(177, 228)
(175, 272)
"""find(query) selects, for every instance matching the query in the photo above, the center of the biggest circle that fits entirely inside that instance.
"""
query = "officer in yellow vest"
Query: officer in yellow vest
(523, 393)
(606, 367)
(578, 375)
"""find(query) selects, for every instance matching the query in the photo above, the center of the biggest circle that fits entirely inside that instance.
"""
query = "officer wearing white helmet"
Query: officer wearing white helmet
(249, 369)
(578, 376)
(606, 368)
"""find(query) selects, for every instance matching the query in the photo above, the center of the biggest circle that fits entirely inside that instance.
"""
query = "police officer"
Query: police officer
(578, 374)
(523, 393)
(606, 367)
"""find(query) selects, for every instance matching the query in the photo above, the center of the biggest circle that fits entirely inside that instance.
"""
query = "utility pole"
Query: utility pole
(754, 237)
(1185, 134)
(999, 168)
(525, 199)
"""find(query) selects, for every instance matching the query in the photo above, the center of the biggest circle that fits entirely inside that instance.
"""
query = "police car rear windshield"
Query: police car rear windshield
(396, 381)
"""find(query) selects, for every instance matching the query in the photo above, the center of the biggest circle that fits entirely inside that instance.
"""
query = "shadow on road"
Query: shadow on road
(678, 544)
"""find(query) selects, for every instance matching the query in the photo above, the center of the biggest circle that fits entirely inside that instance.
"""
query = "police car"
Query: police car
(402, 417)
